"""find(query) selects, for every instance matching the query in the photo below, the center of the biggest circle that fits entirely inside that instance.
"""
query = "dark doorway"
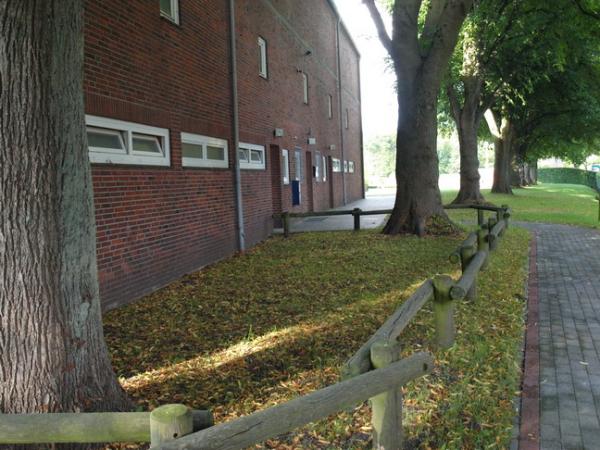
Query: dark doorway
(309, 180)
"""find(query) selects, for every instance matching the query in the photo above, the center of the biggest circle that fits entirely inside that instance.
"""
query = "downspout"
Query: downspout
(362, 148)
(339, 75)
(236, 131)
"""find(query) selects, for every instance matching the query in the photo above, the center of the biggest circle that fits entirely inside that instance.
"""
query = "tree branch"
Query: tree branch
(445, 38)
(432, 23)
(492, 125)
(585, 11)
(384, 37)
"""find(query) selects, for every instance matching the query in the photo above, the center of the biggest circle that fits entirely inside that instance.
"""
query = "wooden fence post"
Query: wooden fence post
(170, 422)
(505, 216)
(492, 240)
(466, 255)
(443, 310)
(483, 244)
(480, 217)
(356, 214)
(386, 416)
(285, 217)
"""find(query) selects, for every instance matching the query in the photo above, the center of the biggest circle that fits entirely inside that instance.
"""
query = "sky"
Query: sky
(379, 105)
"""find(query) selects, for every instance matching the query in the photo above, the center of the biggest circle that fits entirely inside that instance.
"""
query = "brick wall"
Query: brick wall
(156, 224)
(291, 29)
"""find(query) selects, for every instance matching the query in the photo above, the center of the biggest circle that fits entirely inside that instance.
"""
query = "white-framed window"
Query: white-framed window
(329, 106)
(252, 156)
(351, 166)
(336, 165)
(203, 151)
(318, 168)
(112, 141)
(324, 160)
(347, 119)
(285, 166)
(170, 10)
(345, 166)
(305, 88)
(262, 57)
(298, 164)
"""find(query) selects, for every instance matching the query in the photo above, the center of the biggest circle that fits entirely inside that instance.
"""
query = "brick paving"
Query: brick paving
(568, 285)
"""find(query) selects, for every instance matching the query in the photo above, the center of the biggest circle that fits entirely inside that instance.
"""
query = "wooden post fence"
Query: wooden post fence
(356, 215)
(386, 414)
(259, 426)
(85, 427)
(443, 310)
(375, 372)
(285, 218)
(170, 422)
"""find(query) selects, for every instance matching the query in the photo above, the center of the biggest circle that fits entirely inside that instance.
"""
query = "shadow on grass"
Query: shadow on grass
(278, 285)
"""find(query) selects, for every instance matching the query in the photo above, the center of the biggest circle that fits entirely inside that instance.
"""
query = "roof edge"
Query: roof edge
(333, 6)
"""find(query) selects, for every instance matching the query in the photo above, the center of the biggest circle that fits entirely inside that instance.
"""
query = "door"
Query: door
(310, 178)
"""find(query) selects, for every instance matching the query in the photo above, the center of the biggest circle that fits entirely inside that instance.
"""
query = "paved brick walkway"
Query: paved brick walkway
(568, 268)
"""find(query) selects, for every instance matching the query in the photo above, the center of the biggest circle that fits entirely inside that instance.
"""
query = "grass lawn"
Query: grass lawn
(570, 204)
(280, 320)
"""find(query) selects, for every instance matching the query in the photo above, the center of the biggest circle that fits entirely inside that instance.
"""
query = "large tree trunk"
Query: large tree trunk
(533, 176)
(420, 60)
(503, 146)
(468, 118)
(418, 195)
(52, 351)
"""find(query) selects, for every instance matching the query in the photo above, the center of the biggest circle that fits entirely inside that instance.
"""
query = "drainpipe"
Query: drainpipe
(339, 75)
(236, 131)
(362, 144)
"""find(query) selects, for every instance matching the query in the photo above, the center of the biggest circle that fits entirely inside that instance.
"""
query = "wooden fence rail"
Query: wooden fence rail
(374, 372)
(92, 427)
(259, 426)
(357, 213)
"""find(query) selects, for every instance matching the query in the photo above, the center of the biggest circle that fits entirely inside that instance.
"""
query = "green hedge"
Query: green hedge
(567, 175)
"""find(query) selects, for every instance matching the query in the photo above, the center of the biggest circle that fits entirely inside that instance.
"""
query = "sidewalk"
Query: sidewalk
(339, 223)
(568, 291)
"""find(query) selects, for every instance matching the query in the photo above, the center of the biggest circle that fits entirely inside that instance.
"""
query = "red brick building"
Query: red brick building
(164, 114)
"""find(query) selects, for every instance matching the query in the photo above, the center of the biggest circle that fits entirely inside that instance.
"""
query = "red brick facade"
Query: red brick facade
(158, 223)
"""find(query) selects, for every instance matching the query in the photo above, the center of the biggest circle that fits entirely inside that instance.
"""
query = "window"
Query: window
(336, 165)
(262, 54)
(203, 151)
(329, 106)
(318, 168)
(324, 159)
(298, 164)
(347, 119)
(345, 166)
(305, 88)
(113, 141)
(285, 166)
(351, 166)
(170, 10)
(251, 156)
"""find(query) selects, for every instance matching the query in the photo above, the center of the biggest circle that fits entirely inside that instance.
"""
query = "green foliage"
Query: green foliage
(448, 156)
(554, 98)
(567, 175)
(189, 343)
(380, 159)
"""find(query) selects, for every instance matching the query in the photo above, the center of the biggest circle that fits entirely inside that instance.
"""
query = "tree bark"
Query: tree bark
(417, 194)
(52, 351)
(420, 60)
(468, 118)
(503, 144)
